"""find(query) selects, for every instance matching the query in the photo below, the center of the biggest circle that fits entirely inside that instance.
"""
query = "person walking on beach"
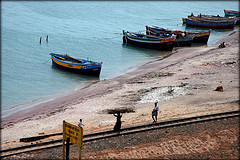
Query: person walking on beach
(155, 112)
(117, 126)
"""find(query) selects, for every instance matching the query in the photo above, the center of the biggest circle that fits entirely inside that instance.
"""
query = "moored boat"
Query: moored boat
(212, 17)
(184, 20)
(224, 24)
(209, 17)
(148, 41)
(76, 65)
(201, 37)
(231, 13)
(198, 37)
(181, 38)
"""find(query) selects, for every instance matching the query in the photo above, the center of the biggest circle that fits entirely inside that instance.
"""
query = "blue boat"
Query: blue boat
(80, 66)
(205, 23)
(231, 13)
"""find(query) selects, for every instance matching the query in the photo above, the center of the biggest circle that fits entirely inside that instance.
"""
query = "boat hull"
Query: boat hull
(182, 43)
(158, 46)
(178, 42)
(209, 24)
(211, 17)
(192, 37)
(231, 13)
(80, 69)
(201, 39)
(165, 44)
(90, 72)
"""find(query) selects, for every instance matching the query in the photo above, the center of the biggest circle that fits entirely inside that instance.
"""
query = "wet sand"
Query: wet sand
(193, 72)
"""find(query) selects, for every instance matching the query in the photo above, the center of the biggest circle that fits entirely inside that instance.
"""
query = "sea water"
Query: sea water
(83, 29)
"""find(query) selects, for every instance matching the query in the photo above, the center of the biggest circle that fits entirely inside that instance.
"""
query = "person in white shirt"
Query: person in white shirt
(155, 113)
(174, 36)
(80, 123)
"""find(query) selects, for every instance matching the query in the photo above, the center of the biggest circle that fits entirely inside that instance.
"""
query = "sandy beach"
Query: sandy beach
(193, 72)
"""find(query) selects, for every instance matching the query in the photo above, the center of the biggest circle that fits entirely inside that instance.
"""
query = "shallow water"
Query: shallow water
(88, 29)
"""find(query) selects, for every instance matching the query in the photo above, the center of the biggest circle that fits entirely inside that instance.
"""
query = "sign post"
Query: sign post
(81, 142)
(67, 149)
(63, 140)
(75, 135)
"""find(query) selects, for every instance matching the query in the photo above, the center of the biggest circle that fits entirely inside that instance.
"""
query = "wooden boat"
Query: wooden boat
(201, 37)
(231, 13)
(212, 17)
(210, 23)
(181, 38)
(148, 41)
(198, 37)
(209, 17)
(80, 66)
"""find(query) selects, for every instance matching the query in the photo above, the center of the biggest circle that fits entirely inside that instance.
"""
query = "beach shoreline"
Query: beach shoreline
(199, 70)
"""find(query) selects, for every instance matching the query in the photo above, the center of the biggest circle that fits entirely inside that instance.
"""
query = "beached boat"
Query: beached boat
(198, 37)
(80, 66)
(148, 41)
(231, 13)
(181, 38)
(205, 23)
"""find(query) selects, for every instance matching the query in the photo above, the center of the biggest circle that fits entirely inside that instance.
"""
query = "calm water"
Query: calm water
(81, 29)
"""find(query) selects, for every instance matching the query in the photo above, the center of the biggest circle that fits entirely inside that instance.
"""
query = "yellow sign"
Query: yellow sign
(75, 135)
(73, 132)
